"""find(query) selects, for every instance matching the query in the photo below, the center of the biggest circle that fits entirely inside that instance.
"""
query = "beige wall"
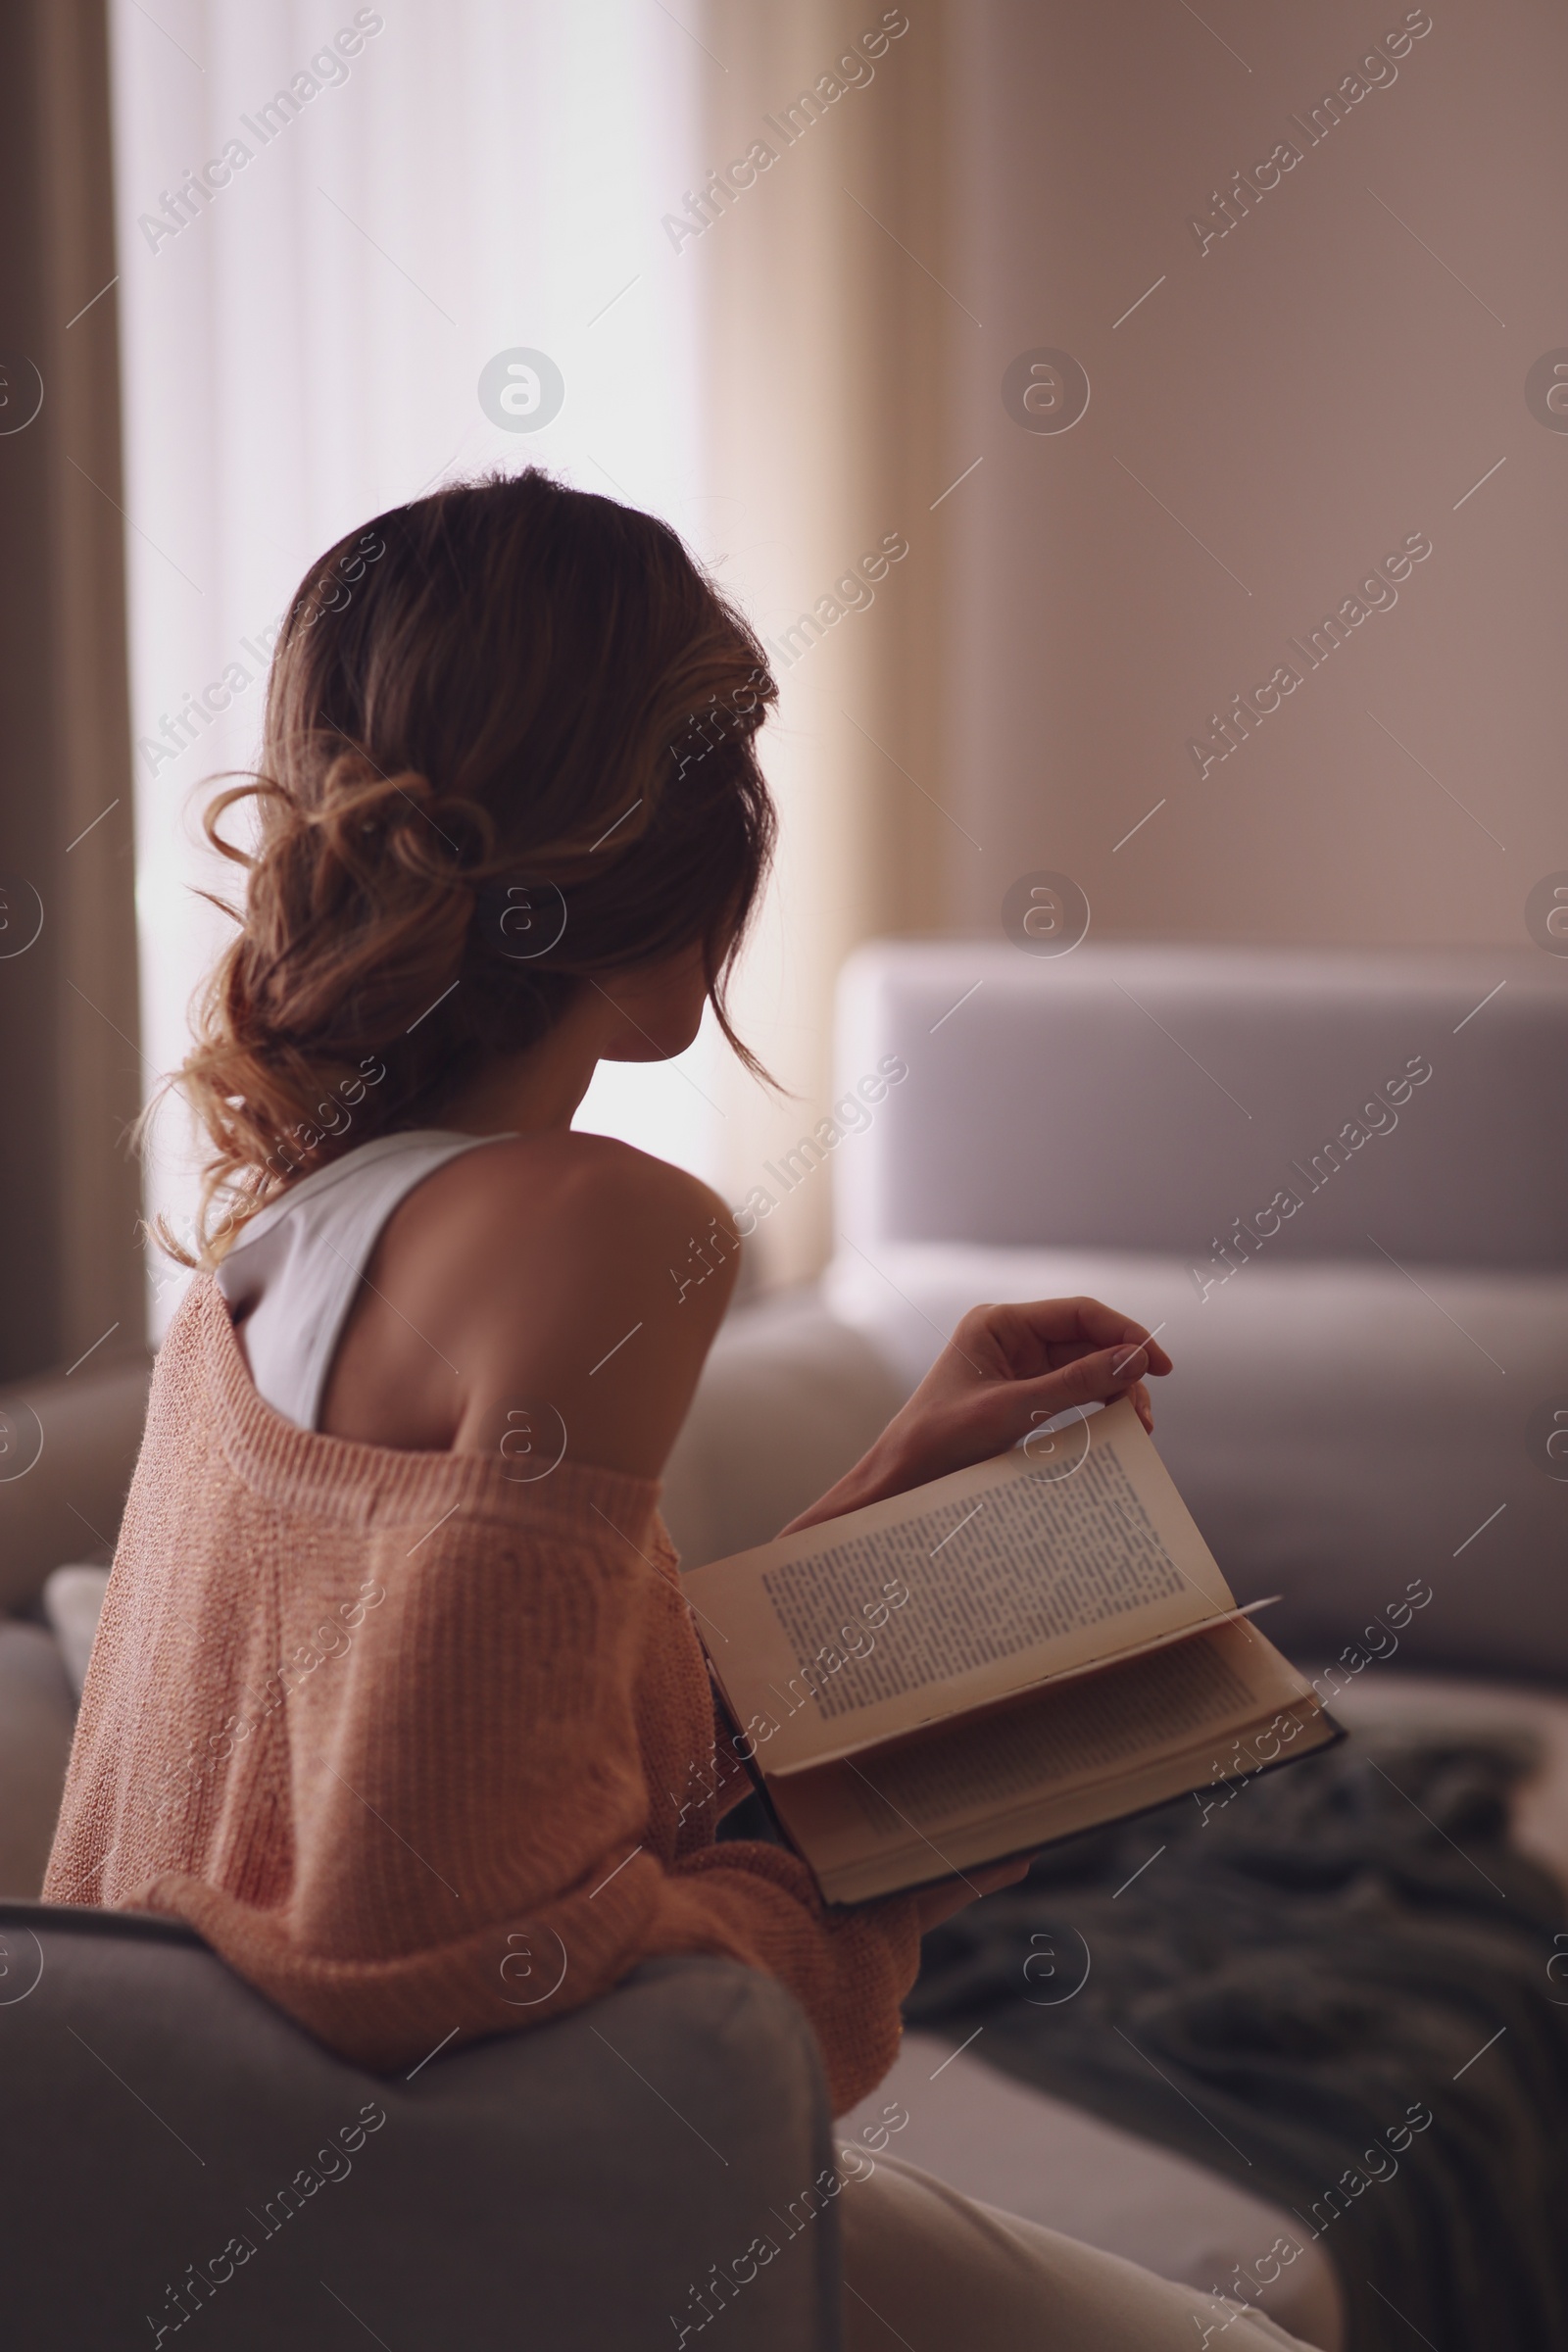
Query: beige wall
(1292, 401)
(1302, 395)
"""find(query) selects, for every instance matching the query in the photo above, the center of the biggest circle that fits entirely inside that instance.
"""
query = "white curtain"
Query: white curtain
(330, 219)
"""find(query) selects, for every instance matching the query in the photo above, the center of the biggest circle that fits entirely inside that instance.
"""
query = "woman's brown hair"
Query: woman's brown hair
(508, 748)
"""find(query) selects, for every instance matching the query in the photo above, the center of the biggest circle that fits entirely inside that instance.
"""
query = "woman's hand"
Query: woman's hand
(1005, 1371)
(934, 1904)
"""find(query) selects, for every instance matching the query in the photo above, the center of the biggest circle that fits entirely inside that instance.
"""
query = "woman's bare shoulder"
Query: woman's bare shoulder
(566, 1270)
(576, 1172)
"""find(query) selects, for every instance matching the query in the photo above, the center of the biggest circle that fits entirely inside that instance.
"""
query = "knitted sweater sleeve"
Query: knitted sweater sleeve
(485, 1803)
(629, 1707)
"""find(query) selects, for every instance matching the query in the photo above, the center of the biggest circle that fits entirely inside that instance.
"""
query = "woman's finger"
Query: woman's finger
(1069, 1351)
(940, 1902)
(997, 1416)
(1056, 1325)
(1098, 1379)
(1094, 1379)
(1138, 1358)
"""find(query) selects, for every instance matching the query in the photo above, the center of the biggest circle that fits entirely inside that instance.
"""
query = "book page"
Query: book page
(954, 1595)
(1044, 1765)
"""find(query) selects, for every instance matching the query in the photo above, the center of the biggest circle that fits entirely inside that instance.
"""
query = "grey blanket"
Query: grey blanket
(1336, 1984)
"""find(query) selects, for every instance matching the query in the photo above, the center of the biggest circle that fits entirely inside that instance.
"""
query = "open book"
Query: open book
(1012, 1653)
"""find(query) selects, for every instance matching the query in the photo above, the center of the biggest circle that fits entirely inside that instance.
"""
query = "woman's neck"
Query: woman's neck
(648, 1013)
(536, 1092)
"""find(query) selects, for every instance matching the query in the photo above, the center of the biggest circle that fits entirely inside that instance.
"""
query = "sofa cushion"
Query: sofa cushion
(789, 1398)
(1009, 2144)
(67, 1447)
(73, 1602)
(37, 1716)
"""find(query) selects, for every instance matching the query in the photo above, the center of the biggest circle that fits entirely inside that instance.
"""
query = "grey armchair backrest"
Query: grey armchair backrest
(177, 2153)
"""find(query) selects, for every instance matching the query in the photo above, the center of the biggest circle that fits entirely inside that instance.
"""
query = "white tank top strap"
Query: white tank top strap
(291, 1278)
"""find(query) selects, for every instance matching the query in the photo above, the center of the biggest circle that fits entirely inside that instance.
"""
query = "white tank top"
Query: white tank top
(293, 1276)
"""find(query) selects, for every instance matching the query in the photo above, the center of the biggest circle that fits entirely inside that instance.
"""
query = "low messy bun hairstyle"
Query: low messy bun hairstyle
(508, 751)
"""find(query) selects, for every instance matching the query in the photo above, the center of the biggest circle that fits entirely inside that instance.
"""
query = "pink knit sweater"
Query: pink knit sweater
(423, 1752)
